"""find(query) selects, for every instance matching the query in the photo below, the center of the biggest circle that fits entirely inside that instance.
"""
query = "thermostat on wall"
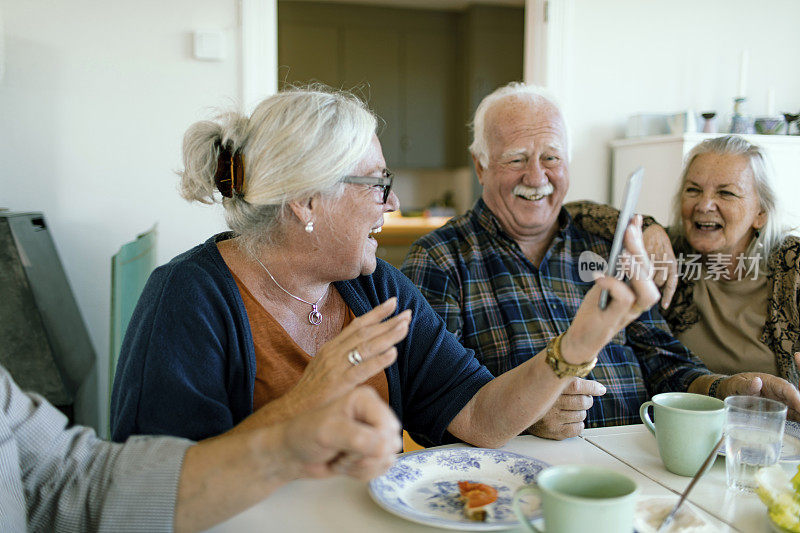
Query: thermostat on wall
(209, 45)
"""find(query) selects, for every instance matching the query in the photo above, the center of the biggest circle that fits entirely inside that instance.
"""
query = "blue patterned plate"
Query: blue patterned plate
(423, 486)
(790, 449)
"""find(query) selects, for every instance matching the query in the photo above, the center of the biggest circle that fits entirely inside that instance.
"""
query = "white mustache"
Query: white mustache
(530, 192)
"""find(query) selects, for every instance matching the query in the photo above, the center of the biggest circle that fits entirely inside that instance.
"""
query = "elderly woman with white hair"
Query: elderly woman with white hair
(736, 300)
(292, 308)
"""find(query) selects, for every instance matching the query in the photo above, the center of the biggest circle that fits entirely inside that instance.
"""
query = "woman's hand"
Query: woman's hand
(356, 435)
(665, 266)
(371, 336)
(764, 385)
(592, 327)
(336, 369)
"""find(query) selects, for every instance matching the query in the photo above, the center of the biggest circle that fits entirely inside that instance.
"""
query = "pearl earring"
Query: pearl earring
(310, 226)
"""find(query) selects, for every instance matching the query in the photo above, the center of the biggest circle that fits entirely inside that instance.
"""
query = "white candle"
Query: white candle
(743, 74)
(771, 102)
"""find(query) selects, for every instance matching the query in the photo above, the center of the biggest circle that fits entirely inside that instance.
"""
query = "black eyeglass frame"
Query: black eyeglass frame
(384, 181)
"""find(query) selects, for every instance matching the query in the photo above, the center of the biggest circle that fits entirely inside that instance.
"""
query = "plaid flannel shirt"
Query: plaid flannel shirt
(503, 307)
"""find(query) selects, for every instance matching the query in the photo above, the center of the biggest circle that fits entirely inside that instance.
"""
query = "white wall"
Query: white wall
(94, 102)
(633, 56)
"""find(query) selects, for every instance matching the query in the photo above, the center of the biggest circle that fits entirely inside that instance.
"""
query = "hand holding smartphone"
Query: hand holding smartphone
(630, 197)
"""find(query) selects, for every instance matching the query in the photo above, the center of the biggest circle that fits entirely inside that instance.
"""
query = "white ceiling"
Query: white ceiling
(455, 5)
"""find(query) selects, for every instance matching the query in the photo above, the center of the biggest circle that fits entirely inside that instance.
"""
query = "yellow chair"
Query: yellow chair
(409, 445)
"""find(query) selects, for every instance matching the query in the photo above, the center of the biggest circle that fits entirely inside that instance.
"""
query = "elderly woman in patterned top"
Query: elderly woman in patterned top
(735, 300)
(292, 309)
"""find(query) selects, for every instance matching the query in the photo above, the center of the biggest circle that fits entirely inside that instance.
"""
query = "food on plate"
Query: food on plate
(781, 495)
(477, 498)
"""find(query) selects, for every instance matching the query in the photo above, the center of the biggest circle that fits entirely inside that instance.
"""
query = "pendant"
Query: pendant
(315, 317)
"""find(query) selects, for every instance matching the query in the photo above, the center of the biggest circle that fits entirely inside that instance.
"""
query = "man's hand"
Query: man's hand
(765, 385)
(565, 418)
(665, 266)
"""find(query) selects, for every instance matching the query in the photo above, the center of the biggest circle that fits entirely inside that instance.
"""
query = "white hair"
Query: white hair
(774, 231)
(536, 95)
(296, 144)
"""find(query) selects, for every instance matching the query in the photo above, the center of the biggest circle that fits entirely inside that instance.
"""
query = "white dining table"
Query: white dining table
(342, 504)
(636, 447)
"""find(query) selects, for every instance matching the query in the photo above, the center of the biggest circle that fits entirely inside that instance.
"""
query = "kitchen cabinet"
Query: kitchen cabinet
(401, 61)
(421, 71)
(370, 59)
(428, 107)
(662, 157)
(308, 51)
(492, 43)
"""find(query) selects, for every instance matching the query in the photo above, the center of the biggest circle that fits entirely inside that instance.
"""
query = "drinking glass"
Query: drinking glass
(753, 437)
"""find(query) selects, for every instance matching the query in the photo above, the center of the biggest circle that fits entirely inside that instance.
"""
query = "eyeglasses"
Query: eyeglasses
(384, 182)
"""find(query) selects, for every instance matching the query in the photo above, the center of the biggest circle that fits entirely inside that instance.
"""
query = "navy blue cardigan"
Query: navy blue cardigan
(187, 365)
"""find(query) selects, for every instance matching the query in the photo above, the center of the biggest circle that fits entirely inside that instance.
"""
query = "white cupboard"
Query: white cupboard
(662, 158)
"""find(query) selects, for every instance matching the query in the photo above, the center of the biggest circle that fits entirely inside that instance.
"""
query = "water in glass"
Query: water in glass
(746, 450)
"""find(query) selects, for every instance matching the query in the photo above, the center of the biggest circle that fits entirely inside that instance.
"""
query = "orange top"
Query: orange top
(279, 360)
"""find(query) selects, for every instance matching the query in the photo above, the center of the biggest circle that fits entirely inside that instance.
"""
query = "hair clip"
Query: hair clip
(229, 176)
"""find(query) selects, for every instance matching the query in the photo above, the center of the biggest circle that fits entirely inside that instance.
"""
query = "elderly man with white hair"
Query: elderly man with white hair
(505, 277)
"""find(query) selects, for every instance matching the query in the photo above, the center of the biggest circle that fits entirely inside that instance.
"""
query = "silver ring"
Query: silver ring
(354, 357)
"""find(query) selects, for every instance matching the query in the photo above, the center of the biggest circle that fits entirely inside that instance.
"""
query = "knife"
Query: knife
(668, 520)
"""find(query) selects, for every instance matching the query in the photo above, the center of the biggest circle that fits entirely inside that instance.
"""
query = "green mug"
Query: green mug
(686, 426)
(581, 498)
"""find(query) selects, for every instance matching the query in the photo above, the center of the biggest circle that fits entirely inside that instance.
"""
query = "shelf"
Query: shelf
(695, 138)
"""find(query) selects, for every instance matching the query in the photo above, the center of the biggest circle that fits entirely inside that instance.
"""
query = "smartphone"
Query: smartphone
(633, 186)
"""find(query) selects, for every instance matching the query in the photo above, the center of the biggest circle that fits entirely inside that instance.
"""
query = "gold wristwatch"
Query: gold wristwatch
(562, 368)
